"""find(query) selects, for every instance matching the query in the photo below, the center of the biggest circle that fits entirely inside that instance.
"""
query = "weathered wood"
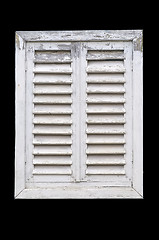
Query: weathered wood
(51, 153)
(44, 112)
(111, 111)
(105, 55)
(89, 35)
(111, 80)
(106, 69)
(108, 152)
(102, 57)
(105, 121)
(51, 143)
(38, 132)
(45, 82)
(55, 70)
(52, 122)
(108, 91)
(52, 57)
(52, 101)
(97, 142)
(91, 100)
(108, 162)
(52, 162)
(105, 132)
(47, 92)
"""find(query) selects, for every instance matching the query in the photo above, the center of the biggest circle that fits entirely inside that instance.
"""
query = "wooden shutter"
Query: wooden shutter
(78, 114)
(51, 114)
(108, 117)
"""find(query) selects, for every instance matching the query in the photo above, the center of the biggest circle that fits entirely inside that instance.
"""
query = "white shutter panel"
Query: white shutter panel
(108, 153)
(52, 115)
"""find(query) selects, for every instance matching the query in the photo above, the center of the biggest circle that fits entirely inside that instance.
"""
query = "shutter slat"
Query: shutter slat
(52, 162)
(111, 80)
(109, 69)
(69, 101)
(93, 100)
(106, 121)
(52, 122)
(52, 153)
(52, 170)
(38, 132)
(105, 152)
(105, 91)
(52, 143)
(106, 142)
(105, 55)
(45, 82)
(45, 92)
(112, 162)
(106, 111)
(53, 112)
(105, 132)
(52, 57)
(56, 70)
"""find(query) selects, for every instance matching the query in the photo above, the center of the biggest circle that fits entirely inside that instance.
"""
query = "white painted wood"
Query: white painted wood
(29, 110)
(19, 115)
(109, 163)
(128, 108)
(67, 66)
(83, 106)
(138, 121)
(52, 57)
(49, 132)
(106, 69)
(52, 162)
(79, 192)
(52, 101)
(105, 132)
(76, 155)
(89, 35)
(105, 55)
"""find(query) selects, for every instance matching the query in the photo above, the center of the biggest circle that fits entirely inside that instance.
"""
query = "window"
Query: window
(79, 114)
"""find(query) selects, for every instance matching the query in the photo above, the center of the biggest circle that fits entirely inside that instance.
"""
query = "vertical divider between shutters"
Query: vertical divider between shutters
(75, 113)
(83, 107)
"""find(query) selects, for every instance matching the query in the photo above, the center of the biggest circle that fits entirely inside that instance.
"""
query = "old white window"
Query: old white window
(79, 114)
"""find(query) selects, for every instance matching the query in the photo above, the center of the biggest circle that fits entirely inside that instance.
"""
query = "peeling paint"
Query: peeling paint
(64, 46)
(138, 43)
(19, 42)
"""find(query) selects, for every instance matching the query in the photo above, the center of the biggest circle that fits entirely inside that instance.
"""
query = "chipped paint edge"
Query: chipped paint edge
(19, 41)
(85, 35)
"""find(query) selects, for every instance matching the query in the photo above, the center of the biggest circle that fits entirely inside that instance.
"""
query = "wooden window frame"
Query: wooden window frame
(136, 190)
